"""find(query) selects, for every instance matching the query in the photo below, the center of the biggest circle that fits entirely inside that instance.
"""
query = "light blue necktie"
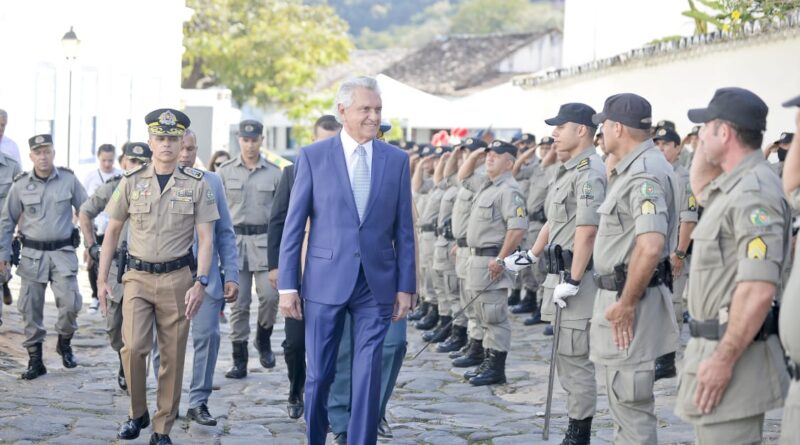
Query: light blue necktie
(361, 181)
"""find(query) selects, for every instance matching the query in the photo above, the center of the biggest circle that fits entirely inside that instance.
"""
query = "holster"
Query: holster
(122, 260)
(16, 249)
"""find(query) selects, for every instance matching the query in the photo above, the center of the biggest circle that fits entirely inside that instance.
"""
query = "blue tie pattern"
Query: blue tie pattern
(361, 176)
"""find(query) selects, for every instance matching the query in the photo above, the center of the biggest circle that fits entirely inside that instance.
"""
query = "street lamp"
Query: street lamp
(70, 43)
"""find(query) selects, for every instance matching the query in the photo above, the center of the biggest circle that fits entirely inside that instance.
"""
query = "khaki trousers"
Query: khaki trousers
(745, 431)
(267, 304)
(160, 299)
(790, 427)
(492, 310)
(576, 372)
(632, 404)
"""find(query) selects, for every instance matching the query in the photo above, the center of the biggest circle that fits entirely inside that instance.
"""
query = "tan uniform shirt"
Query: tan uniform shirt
(498, 207)
(461, 210)
(687, 203)
(430, 213)
(442, 260)
(161, 223)
(578, 191)
(743, 236)
(250, 194)
(99, 200)
(790, 304)
(640, 198)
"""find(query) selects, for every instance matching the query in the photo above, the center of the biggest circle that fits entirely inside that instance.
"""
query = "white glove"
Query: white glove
(520, 260)
(562, 291)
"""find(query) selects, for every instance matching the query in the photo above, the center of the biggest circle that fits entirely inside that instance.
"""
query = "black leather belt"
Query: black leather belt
(46, 245)
(159, 268)
(714, 330)
(427, 228)
(794, 369)
(537, 216)
(616, 281)
(244, 229)
(484, 251)
(461, 242)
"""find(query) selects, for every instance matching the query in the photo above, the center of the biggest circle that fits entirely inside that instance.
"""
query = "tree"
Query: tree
(503, 16)
(266, 52)
(731, 15)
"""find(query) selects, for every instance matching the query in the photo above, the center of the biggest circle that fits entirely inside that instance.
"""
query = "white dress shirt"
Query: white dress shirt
(91, 183)
(9, 148)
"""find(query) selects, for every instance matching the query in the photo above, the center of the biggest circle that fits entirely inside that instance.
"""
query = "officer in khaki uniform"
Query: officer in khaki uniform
(733, 369)
(497, 224)
(578, 190)
(633, 322)
(470, 176)
(9, 169)
(789, 328)
(165, 204)
(250, 183)
(41, 203)
(422, 187)
(134, 154)
(669, 142)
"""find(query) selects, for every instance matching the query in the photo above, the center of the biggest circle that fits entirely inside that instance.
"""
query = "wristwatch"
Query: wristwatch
(94, 251)
(680, 254)
(568, 279)
(203, 280)
(499, 261)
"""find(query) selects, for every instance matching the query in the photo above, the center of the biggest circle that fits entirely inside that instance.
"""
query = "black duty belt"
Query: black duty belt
(484, 251)
(537, 216)
(46, 245)
(461, 242)
(714, 330)
(244, 229)
(159, 268)
(616, 281)
(427, 228)
(794, 369)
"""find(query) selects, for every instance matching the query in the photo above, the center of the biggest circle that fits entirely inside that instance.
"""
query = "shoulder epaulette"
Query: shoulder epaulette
(66, 170)
(113, 178)
(227, 162)
(20, 175)
(584, 164)
(192, 172)
(133, 171)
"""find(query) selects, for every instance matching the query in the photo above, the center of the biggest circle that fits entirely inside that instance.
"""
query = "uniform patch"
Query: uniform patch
(759, 217)
(692, 203)
(115, 196)
(648, 208)
(30, 186)
(587, 192)
(648, 189)
(135, 195)
(210, 198)
(756, 249)
(520, 212)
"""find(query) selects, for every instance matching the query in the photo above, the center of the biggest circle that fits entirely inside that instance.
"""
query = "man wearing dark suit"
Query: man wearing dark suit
(361, 260)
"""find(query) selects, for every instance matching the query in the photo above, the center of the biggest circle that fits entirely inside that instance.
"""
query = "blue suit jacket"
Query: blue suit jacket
(338, 245)
(224, 245)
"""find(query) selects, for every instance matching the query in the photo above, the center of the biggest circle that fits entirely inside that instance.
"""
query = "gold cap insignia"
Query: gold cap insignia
(138, 150)
(167, 118)
(662, 132)
(39, 139)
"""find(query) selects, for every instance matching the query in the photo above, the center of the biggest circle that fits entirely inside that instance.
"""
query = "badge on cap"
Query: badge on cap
(39, 139)
(138, 150)
(248, 128)
(496, 144)
(167, 118)
(469, 141)
(648, 208)
(661, 132)
(759, 217)
(756, 249)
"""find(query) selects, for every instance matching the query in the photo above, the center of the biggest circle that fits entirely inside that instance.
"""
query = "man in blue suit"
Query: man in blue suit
(356, 190)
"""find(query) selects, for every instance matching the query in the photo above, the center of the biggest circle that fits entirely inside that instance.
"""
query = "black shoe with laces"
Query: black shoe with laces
(201, 415)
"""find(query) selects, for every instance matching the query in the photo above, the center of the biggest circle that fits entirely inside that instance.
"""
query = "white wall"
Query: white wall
(129, 64)
(595, 29)
(544, 52)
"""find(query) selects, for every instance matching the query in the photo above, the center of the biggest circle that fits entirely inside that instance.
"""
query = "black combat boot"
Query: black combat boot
(265, 354)
(419, 312)
(456, 340)
(64, 349)
(665, 367)
(7, 298)
(239, 368)
(495, 372)
(527, 304)
(578, 432)
(429, 320)
(514, 297)
(441, 332)
(536, 314)
(548, 331)
(123, 384)
(35, 364)
(460, 353)
(480, 368)
(473, 357)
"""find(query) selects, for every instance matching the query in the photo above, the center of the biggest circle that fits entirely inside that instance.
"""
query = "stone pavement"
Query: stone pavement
(431, 404)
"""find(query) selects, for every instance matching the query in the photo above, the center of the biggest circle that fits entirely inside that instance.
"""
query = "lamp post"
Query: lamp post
(70, 43)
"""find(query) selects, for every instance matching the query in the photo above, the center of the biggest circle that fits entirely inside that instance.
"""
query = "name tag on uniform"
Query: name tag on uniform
(180, 194)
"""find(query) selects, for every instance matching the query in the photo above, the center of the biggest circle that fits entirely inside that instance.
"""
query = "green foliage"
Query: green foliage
(396, 132)
(266, 52)
(731, 15)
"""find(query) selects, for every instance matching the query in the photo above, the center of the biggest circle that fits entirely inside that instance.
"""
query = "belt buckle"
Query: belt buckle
(158, 268)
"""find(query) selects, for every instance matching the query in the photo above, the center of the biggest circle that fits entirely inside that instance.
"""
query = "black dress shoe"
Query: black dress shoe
(201, 415)
(160, 439)
(130, 429)
(295, 408)
(340, 438)
(384, 430)
(548, 330)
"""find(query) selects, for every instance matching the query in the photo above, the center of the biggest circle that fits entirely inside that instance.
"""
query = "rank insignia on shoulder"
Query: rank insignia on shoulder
(584, 164)
(20, 175)
(193, 172)
(756, 249)
(648, 208)
(113, 178)
(66, 169)
(520, 212)
(133, 171)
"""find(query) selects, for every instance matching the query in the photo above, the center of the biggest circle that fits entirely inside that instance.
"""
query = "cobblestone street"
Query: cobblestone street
(431, 404)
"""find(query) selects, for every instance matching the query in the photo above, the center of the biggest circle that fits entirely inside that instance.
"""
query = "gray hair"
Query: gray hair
(345, 94)
(3, 113)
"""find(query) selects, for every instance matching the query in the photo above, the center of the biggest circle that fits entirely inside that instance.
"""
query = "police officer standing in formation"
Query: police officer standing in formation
(470, 177)
(250, 183)
(669, 142)
(424, 191)
(134, 155)
(733, 370)
(633, 322)
(43, 203)
(497, 224)
(166, 204)
(789, 328)
(9, 169)
(578, 191)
